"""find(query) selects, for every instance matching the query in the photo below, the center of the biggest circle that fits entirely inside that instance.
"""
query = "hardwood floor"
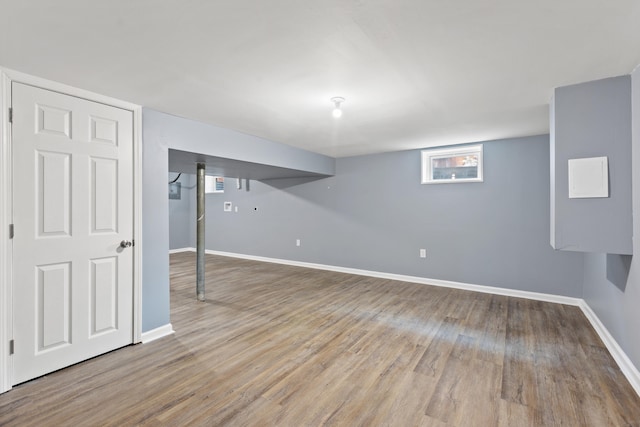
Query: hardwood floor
(287, 346)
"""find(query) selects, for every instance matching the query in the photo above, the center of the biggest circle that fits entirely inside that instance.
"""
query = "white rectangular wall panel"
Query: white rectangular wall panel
(588, 178)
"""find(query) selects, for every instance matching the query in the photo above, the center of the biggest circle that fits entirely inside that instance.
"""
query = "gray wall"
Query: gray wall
(612, 283)
(160, 133)
(155, 230)
(592, 119)
(375, 215)
(180, 214)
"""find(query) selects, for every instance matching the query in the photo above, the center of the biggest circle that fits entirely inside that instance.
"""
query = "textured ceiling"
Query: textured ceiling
(415, 73)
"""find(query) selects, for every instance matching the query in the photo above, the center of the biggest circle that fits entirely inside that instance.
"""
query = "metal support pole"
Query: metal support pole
(200, 222)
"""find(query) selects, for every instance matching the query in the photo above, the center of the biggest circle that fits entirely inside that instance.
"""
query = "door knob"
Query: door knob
(126, 244)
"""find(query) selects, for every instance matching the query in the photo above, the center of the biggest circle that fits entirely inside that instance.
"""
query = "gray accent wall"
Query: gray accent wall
(155, 231)
(375, 215)
(180, 214)
(592, 119)
(162, 132)
(612, 282)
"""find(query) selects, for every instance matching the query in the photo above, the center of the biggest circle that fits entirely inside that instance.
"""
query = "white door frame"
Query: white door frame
(6, 307)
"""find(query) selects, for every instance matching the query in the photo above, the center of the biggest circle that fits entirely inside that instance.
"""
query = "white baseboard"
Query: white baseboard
(157, 333)
(626, 366)
(413, 279)
(175, 251)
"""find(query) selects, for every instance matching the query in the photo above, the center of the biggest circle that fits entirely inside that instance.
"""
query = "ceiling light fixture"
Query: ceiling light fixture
(337, 111)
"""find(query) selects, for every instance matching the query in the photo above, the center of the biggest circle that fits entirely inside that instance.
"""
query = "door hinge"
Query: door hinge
(10, 115)
(10, 347)
(11, 231)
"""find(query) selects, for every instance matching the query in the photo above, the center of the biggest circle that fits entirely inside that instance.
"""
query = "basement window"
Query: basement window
(452, 165)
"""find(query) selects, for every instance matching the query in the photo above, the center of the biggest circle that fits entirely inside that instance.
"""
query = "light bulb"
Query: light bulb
(337, 111)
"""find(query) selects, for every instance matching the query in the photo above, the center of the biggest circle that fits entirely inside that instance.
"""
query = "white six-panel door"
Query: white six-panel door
(72, 208)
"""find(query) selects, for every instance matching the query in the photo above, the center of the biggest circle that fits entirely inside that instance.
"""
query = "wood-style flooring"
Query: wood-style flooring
(277, 345)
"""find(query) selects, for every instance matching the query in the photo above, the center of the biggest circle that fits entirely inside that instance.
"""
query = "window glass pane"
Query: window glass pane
(455, 167)
(219, 184)
(213, 184)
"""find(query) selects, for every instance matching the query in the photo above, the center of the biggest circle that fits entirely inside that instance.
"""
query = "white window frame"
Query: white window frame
(431, 154)
(210, 184)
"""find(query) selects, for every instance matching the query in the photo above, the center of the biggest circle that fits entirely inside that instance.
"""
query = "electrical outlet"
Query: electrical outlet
(423, 253)
(297, 242)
